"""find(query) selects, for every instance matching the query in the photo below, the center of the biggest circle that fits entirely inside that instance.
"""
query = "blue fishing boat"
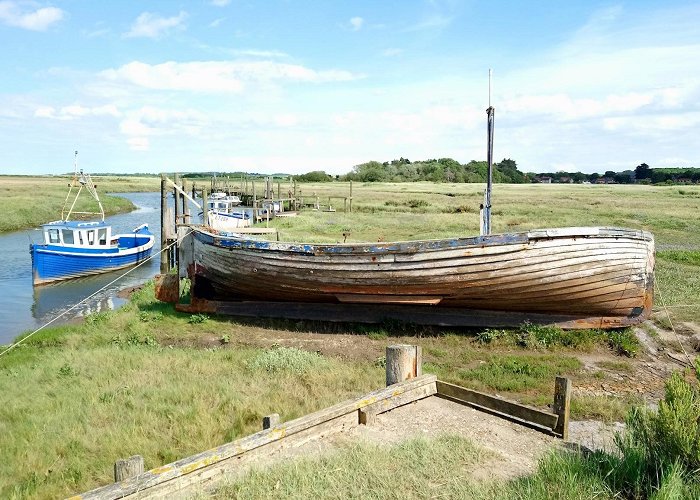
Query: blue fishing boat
(74, 248)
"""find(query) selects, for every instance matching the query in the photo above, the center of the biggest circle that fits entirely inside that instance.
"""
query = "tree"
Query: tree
(643, 171)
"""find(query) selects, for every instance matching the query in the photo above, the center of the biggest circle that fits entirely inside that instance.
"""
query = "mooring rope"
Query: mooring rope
(673, 329)
(12, 346)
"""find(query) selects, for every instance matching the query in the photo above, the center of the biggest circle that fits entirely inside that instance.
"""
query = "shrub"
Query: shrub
(287, 359)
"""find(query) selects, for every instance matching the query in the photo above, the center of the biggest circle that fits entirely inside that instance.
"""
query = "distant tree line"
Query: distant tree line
(505, 171)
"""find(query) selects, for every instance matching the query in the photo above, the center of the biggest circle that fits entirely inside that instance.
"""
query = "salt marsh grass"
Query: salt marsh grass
(30, 201)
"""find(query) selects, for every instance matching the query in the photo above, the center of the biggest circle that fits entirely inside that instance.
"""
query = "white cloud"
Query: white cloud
(217, 22)
(141, 124)
(150, 25)
(264, 54)
(220, 3)
(392, 52)
(75, 111)
(286, 120)
(217, 76)
(138, 143)
(356, 23)
(430, 23)
(13, 14)
(653, 125)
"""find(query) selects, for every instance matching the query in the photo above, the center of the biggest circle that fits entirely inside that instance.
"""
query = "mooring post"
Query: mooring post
(351, 196)
(186, 219)
(255, 203)
(127, 468)
(163, 209)
(205, 207)
(271, 420)
(562, 402)
(295, 194)
(403, 361)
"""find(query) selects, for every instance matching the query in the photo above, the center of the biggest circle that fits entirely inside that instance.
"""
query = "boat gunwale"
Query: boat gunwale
(238, 242)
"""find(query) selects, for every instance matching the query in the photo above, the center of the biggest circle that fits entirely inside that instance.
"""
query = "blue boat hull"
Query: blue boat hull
(54, 263)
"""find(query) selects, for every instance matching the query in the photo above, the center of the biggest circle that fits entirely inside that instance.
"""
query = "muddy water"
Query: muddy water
(25, 308)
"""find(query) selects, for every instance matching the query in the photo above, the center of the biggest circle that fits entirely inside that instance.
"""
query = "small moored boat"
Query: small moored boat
(73, 248)
(80, 248)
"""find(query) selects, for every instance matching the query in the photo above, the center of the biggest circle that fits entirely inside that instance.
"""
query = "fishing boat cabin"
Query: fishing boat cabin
(87, 236)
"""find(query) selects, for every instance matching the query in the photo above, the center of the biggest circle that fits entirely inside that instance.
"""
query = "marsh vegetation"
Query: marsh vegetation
(148, 380)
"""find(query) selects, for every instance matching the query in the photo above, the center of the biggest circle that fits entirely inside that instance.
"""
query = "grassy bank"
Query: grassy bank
(147, 380)
(30, 201)
(392, 211)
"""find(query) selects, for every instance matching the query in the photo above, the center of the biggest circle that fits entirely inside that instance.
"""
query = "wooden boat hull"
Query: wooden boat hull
(601, 273)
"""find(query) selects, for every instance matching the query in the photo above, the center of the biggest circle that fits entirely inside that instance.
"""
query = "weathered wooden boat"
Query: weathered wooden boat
(72, 249)
(595, 276)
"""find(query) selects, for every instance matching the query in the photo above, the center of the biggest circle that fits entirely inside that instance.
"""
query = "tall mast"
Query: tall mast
(486, 226)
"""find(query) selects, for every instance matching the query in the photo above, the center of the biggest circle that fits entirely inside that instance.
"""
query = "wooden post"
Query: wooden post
(178, 213)
(255, 203)
(271, 420)
(351, 196)
(205, 207)
(164, 267)
(128, 468)
(562, 401)
(186, 219)
(403, 362)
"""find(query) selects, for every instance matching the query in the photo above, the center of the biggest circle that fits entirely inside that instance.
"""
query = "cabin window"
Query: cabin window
(80, 237)
(53, 236)
(91, 237)
(68, 237)
(102, 236)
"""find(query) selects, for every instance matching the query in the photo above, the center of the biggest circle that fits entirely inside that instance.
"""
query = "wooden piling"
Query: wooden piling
(164, 261)
(403, 362)
(127, 468)
(350, 196)
(562, 402)
(205, 207)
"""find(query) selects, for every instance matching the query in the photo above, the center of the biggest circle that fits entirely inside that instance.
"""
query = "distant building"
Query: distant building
(544, 180)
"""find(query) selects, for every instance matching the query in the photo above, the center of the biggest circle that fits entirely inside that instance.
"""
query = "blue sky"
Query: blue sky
(294, 86)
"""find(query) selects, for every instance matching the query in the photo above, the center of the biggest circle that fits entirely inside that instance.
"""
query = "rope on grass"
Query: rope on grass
(12, 346)
(668, 316)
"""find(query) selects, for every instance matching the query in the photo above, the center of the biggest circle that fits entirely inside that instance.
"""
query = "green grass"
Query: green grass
(75, 399)
(20, 210)
(418, 468)
(510, 373)
(604, 408)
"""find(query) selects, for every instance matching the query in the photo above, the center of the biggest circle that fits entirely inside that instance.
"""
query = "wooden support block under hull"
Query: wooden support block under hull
(416, 314)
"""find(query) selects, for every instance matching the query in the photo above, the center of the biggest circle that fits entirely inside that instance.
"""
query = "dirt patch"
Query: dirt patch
(125, 293)
(513, 450)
